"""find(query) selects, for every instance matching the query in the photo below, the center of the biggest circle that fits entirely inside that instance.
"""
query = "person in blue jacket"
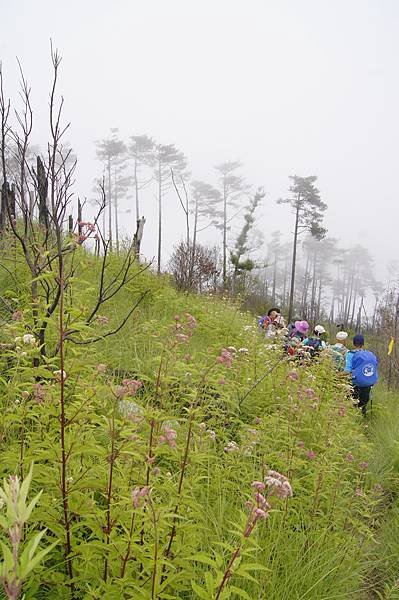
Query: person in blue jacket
(363, 367)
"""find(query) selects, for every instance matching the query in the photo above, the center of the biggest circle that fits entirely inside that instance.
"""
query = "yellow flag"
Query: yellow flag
(391, 345)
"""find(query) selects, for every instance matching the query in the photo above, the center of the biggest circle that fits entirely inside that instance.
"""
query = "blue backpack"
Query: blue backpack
(364, 368)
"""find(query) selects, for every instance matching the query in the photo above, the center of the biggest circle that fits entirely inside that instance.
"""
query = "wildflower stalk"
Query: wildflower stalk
(63, 424)
(111, 460)
(154, 576)
(184, 461)
(129, 546)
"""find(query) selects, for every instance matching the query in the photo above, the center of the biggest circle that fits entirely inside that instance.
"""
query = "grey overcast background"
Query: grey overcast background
(306, 87)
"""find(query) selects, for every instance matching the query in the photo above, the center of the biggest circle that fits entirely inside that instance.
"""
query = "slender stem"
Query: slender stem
(109, 490)
(127, 554)
(64, 458)
(155, 559)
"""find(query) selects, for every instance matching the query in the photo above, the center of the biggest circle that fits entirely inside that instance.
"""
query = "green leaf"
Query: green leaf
(8, 559)
(201, 593)
(37, 559)
(240, 592)
(203, 558)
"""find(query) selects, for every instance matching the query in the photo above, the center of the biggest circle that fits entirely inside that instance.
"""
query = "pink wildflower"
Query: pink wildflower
(260, 513)
(261, 500)
(350, 457)
(139, 495)
(258, 420)
(222, 381)
(301, 444)
(309, 393)
(177, 317)
(341, 410)
(258, 485)
(102, 319)
(191, 321)
(17, 315)
(120, 392)
(169, 437)
(132, 386)
(231, 447)
(310, 454)
(363, 465)
(358, 491)
(101, 368)
(156, 471)
(225, 358)
(182, 337)
(293, 375)
(278, 484)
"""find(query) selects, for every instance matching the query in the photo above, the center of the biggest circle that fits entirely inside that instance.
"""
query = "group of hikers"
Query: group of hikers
(360, 365)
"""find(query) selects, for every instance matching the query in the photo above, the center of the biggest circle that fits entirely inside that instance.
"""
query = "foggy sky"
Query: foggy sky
(306, 87)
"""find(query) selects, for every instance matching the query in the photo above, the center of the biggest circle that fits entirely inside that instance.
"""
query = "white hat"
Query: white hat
(341, 336)
(319, 329)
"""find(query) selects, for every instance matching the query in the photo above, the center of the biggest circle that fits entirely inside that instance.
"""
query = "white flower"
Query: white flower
(243, 350)
(28, 338)
(17, 340)
(60, 374)
(231, 349)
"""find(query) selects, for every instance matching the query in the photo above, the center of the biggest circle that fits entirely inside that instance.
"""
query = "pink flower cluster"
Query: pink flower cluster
(169, 437)
(185, 330)
(225, 358)
(278, 485)
(129, 387)
(140, 495)
(17, 315)
(102, 319)
(86, 229)
(231, 447)
(293, 375)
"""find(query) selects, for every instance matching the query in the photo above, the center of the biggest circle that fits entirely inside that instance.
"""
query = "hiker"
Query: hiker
(276, 327)
(297, 336)
(339, 350)
(314, 343)
(268, 319)
(363, 366)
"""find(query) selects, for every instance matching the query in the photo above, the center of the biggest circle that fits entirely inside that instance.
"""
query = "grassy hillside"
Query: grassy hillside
(168, 424)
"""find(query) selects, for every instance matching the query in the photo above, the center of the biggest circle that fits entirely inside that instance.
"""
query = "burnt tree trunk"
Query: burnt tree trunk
(42, 189)
(138, 236)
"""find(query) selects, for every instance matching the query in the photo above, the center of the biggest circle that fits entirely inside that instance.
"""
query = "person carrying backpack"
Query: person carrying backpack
(363, 366)
(265, 320)
(297, 336)
(339, 350)
(314, 344)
